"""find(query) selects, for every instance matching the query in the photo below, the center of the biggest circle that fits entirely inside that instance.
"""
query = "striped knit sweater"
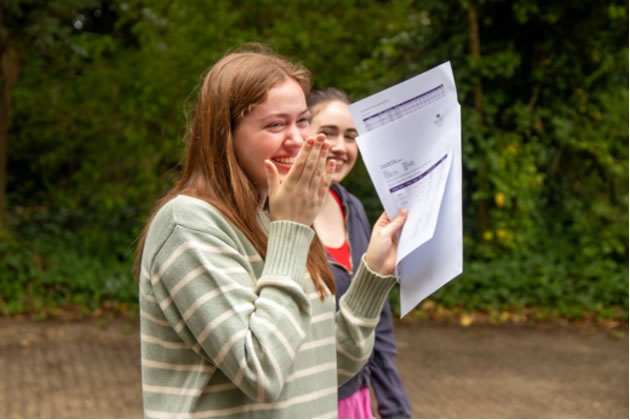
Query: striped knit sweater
(226, 334)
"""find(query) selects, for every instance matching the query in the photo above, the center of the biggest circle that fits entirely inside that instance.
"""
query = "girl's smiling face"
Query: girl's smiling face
(274, 130)
(333, 119)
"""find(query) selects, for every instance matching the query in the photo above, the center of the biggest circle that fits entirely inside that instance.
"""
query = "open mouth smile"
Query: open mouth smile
(284, 160)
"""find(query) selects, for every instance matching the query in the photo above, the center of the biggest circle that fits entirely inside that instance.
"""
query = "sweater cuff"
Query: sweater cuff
(367, 292)
(288, 245)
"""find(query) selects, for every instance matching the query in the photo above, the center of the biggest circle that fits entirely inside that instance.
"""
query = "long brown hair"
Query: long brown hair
(230, 90)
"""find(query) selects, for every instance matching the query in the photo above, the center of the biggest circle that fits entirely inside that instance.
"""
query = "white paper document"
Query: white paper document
(410, 142)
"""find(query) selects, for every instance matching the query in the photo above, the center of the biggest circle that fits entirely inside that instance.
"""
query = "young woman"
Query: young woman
(237, 300)
(343, 228)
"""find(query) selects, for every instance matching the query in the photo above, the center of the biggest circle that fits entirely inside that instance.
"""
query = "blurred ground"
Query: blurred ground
(90, 369)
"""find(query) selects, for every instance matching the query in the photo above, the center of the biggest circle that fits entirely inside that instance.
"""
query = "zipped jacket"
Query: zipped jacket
(380, 372)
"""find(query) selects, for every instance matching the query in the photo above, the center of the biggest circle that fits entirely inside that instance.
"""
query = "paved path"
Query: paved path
(90, 370)
(514, 372)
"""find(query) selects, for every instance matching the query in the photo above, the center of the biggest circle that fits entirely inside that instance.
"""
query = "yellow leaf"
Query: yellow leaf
(427, 305)
(466, 320)
(499, 199)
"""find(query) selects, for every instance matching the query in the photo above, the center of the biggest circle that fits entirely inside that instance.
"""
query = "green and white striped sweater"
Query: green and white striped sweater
(226, 334)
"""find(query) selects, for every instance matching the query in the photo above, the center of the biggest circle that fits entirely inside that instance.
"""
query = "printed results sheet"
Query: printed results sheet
(410, 142)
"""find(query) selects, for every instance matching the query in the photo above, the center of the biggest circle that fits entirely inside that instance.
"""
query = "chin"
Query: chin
(336, 180)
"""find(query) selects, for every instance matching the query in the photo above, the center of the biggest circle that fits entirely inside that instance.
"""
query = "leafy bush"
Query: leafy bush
(95, 135)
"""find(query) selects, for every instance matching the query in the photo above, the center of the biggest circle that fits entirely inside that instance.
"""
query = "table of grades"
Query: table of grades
(404, 108)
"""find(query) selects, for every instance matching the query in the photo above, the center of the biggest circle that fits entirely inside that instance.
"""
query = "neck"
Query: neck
(330, 224)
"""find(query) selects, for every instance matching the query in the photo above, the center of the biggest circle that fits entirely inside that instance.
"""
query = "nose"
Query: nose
(295, 137)
(337, 143)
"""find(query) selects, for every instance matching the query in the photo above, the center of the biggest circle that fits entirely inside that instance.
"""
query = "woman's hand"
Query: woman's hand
(300, 195)
(381, 252)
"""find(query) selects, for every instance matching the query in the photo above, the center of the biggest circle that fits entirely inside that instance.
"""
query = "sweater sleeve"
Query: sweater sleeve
(250, 328)
(358, 315)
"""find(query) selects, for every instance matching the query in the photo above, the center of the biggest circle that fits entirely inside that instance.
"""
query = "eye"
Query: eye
(327, 133)
(275, 125)
(303, 122)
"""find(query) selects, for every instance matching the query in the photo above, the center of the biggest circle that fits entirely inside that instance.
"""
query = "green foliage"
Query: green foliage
(546, 155)
(40, 274)
(98, 118)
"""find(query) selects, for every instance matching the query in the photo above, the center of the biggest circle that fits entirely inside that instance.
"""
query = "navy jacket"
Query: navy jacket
(380, 371)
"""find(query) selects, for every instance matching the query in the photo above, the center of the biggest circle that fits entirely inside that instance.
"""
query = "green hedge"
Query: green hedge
(98, 116)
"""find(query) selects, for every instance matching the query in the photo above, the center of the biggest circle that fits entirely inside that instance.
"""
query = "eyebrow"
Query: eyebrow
(335, 127)
(284, 115)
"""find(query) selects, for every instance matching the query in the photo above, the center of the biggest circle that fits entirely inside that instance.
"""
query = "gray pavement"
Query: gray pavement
(90, 369)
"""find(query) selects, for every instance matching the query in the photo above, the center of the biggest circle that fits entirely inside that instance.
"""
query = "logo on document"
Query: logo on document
(439, 119)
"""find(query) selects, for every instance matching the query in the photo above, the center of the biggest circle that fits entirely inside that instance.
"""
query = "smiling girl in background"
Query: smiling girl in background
(343, 228)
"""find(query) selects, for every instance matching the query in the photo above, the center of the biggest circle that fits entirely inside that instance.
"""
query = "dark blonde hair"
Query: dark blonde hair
(230, 90)
(325, 95)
